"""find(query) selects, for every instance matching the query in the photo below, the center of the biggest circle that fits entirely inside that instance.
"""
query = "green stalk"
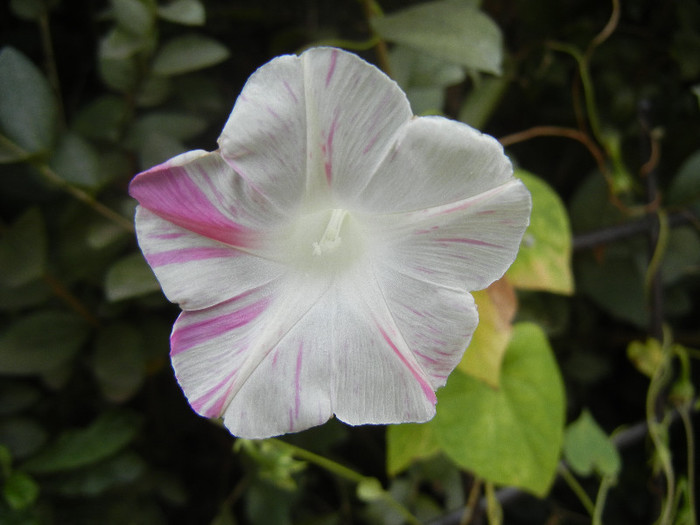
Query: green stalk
(347, 473)
(577, 489)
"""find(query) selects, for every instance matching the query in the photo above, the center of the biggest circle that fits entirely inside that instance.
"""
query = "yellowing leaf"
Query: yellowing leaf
(497, 306)
(511, 435)
(544, 259)
(407, 443)
(646, 357)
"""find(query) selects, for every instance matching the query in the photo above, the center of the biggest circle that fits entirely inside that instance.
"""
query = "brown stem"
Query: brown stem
(71, 300)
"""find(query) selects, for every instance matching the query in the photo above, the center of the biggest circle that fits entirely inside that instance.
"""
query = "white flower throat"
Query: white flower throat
(330, 240)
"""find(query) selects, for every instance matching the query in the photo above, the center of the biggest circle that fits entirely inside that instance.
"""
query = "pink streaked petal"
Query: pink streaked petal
(378, 378)
(184, 255)
(251, 361)
(418, 375)
(455, 245)
(190, 267)
(206, 197)
(438, 162)
(198, 333)
(357, 111)
(436, 323)
(265, 137)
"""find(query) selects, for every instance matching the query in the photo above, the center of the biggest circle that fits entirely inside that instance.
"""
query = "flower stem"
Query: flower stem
(576, 487)
(605, 485)
(347, 473)
(690, 444)
(50, 57)
(372, 9)
(84, 197)
(658, 435)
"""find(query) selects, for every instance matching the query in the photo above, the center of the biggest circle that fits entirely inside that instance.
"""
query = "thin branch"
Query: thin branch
(629, 229)
(558, 131)
(372, 9)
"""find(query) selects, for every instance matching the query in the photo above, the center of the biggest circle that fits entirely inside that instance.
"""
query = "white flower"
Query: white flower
(323, 255)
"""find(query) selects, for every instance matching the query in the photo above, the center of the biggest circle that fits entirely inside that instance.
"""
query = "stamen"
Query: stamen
(331, 237)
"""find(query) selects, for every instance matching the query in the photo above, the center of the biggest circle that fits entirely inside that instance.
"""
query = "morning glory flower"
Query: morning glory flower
(324, 254)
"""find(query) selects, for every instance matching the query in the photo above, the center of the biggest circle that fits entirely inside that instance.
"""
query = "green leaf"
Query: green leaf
(587, 448)
(186, 12)
(612, 276)
(424, 78)
(120, 44)
(20, 490)
(23, 250)
(450, 31)
(544, 260)
(16, 396)
(76, 161)
(29, 9)
(153, 91)
(93, 480)
(119, 74)
(16, 298)
(176, 125)
(482, 101)
(41, 342)
(133, 16)
(130, 277)
(28, 110)
(188, 53)
(75, 448)
(647, 356)
(685, 187)
(118, 362)
(682, 255)
(102, 118)
(22, 436)
(512, 435)
(413, 68)
(156, 148)
(408, 442)
(369, 489)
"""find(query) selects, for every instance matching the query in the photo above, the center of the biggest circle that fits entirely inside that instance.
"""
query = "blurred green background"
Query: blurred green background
(598, 99)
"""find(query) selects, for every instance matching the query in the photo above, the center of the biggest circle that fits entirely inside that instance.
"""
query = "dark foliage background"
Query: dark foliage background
(142, 456)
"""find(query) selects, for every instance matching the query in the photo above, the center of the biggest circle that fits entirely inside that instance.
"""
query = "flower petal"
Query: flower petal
(201, 193)
(304, 123)
(207, 236)
(435, 161)
(258, 360)
(264, 139)
(195, 271)
(465, 245)
(287, 355)
(392, 353)
(354, 113)
(436, 323)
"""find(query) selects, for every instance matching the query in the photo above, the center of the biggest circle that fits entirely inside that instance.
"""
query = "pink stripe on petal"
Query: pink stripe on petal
(185, 255)
(474, 242)
(195, 334)
(171, 194)
(217, 408)
(297, 383)
(290, 91)
(167, 236)
(427, 389)
(331, 68)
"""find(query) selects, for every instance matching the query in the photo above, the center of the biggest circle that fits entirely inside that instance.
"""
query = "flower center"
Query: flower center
(330, 240)
(325, 242)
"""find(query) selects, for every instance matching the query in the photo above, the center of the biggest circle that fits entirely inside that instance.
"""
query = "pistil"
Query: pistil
(330, 240)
